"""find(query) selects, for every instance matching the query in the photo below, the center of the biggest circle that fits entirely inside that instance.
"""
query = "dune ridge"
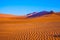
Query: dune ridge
(43, 18)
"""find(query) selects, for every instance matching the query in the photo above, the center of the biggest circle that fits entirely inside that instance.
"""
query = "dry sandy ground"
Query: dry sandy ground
(40, 28)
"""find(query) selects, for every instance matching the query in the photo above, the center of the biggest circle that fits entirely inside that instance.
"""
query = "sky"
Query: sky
(23, 7)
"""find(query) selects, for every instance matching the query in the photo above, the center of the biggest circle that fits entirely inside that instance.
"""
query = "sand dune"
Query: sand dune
(6, 15)
(46, 27)
(47, 18)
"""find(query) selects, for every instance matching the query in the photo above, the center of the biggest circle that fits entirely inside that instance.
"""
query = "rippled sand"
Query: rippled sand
(46, 28)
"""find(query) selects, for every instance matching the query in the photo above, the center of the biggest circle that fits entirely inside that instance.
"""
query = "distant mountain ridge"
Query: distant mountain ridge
(34, 17)
(36, 14)
(30, 15)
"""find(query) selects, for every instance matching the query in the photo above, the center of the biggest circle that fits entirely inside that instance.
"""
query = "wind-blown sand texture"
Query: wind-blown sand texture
(46, 27)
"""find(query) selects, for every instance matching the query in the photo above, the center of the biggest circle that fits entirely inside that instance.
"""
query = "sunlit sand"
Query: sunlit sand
(46, 27)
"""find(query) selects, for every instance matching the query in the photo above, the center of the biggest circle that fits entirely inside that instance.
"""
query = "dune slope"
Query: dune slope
(46, 27)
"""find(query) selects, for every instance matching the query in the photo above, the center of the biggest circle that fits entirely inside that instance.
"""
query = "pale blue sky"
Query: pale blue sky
(23, 7)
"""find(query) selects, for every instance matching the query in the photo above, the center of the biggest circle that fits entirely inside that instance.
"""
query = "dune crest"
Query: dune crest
(6, 15)
(44, 18)
(54, 17)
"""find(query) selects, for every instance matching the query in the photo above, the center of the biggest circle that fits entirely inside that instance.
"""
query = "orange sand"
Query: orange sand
(45, 27)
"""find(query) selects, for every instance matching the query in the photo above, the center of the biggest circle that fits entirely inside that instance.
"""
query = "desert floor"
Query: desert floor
(30, 31)
(41, 28)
